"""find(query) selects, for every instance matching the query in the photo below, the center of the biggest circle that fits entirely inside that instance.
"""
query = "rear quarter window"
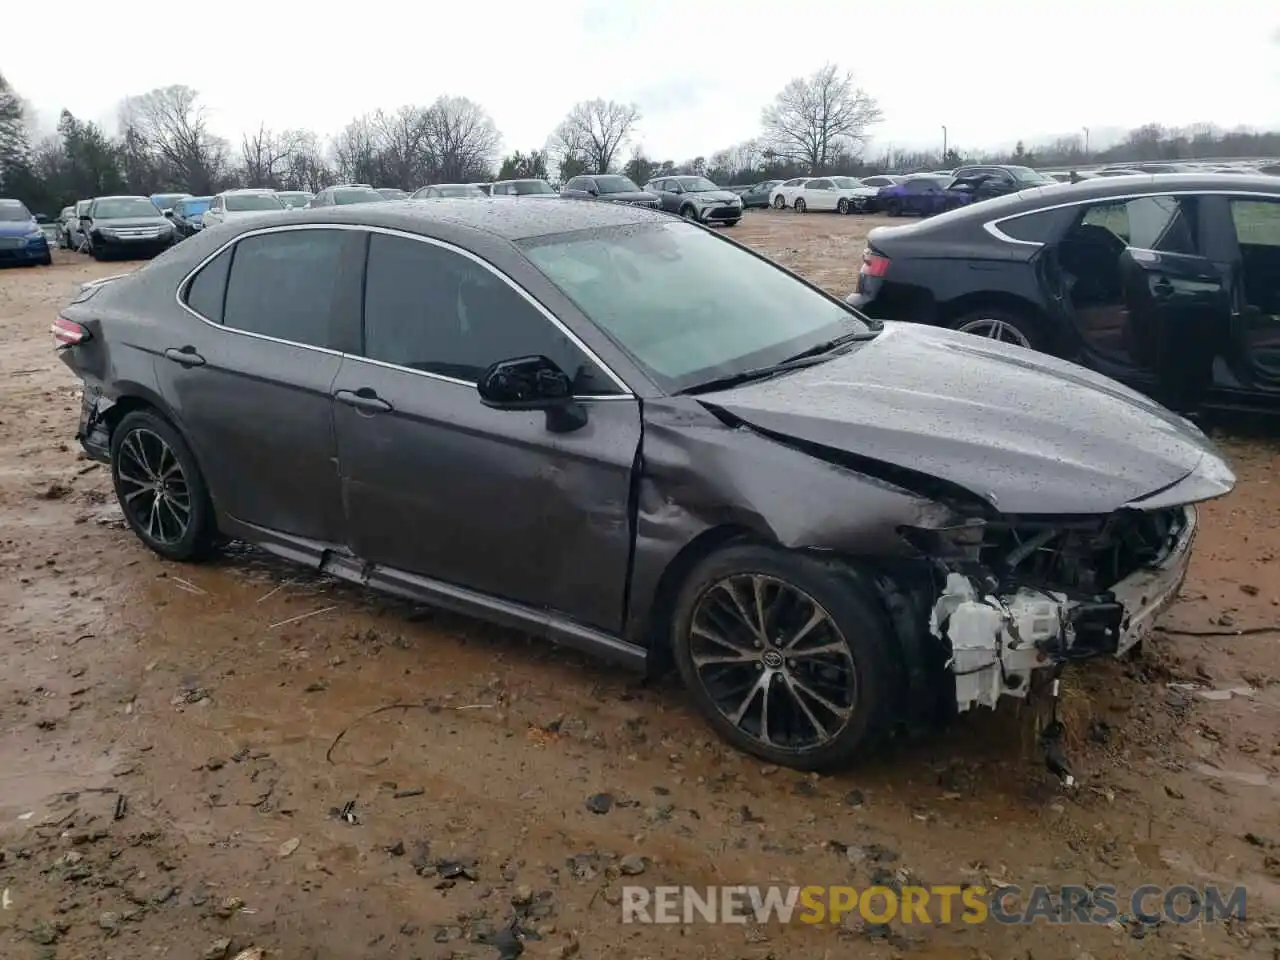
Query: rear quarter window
(1042, 226)
(207, 291)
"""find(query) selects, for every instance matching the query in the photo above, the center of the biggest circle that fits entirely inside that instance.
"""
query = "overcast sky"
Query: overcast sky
(700, 70)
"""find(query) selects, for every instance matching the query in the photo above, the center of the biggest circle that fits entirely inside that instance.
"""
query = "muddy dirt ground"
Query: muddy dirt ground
(177, 746)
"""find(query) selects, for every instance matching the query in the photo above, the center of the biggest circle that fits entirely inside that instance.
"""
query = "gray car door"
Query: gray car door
(249, 375)
(437, 484)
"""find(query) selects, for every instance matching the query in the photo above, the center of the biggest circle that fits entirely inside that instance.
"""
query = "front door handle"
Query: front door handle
(187, 356)
(363, 399)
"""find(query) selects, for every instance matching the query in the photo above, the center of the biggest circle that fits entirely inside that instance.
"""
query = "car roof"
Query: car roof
(511, 221)
(122, 196)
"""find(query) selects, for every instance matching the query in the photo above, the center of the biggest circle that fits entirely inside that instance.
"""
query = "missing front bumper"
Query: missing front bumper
(999, 642)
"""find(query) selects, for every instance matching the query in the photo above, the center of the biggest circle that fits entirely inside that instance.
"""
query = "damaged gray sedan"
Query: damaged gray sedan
(628, 434)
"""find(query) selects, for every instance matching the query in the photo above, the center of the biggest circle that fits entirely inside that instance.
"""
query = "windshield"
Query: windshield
(121, 207)
(696, 184)
(244, 202)
(848, 183)
(14, 212)
(192, 208)
(391, 193)
(612, 184)
(343, 197)
(454, 190)
(686, 305)
(526, 187)
(1027, 175)
(294, 199)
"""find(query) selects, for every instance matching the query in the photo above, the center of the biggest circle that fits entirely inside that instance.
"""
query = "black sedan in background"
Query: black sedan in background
(1170, 283)
(617, 430)
(757, 195)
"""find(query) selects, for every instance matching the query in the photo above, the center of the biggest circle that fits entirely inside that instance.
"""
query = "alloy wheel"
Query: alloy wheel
(995, 329)
(153, 487)
(780, 203)
(773, 662)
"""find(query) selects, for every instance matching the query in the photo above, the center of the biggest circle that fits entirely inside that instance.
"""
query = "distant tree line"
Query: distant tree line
(819, 124)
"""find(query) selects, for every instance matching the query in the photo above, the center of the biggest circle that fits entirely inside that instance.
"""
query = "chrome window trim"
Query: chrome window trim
(185, 283)
(993, 226)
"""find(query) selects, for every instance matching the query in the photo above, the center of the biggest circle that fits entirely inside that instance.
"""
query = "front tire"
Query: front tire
(780, 203)
(842, 206)
(731, 223)
(689, 213)
(799, 205)
(786, 655)
(160, 488)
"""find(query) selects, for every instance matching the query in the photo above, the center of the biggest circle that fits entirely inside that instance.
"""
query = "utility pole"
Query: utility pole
(1086, 142)
(944, 145)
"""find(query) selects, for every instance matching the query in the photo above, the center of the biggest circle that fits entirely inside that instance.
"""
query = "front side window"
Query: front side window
(432, 309)
(718, 310)
(283, 285)
(616, 184)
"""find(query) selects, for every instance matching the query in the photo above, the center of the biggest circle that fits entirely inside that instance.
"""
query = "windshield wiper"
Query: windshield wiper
(827, 346)
(755, 373)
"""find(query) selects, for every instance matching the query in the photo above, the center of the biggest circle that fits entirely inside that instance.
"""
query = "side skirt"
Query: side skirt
(339, 562)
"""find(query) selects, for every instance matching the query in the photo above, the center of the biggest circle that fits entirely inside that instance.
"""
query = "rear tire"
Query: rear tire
(808, 603)
(160, 488)
(893, 208)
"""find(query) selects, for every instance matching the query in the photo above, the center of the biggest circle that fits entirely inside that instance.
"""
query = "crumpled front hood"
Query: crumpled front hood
(1024, 431)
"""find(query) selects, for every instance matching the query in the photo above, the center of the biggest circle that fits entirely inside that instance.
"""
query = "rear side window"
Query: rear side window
(208, 289)
(283, 285)
(1039, 227)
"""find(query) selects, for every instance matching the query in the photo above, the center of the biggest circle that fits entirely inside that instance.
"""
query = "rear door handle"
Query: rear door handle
(187, 356)
(363, 399)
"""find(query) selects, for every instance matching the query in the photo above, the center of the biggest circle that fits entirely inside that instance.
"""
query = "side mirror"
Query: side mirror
(168, 213)
(533, 383)
(593, 191)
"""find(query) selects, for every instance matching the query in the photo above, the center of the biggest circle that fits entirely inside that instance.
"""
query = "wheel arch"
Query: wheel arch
(951, 311)
(137, 397)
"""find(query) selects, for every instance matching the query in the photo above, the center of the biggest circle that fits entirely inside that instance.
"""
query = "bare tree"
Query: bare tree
(593, 131)
(15, 139)
(171, 124)
(463, 139)
(265, 157)
(356, 151)
(306, 169)
(815, 118)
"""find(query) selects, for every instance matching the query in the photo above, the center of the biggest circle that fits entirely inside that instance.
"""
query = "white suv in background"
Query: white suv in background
(232, 204)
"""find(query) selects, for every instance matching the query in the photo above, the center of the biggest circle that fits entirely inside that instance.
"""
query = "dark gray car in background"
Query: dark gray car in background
(125, 227)
(609, 187)
(625, 433)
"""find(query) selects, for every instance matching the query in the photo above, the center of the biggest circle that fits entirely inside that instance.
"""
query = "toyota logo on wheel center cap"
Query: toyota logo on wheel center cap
(771, 659)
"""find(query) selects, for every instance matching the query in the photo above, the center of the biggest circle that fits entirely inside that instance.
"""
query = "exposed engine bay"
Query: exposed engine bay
(1034, 593)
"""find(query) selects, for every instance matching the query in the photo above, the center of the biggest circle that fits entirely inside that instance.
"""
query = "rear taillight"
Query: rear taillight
(68, 333)
(874, 264)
